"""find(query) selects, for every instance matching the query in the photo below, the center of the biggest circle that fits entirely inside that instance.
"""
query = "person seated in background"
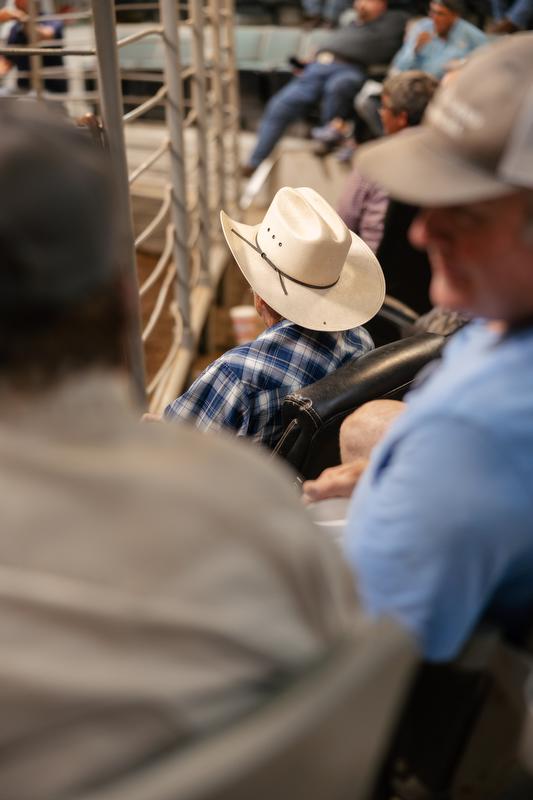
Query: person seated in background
(434, 43)
(438, 45)
(47, 31)
(363, 204)
(9, 14)
(314, 285)
(156, 583)
(334, 76)
(439, 531)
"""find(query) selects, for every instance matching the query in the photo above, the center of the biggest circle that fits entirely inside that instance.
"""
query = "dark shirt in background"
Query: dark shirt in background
(17, 37)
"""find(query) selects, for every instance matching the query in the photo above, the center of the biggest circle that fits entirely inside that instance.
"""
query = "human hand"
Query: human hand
(151, 418)
(422, 40)
(334, 482)
(5, 66)
(12, 14)
(502, 26)
(46, 32)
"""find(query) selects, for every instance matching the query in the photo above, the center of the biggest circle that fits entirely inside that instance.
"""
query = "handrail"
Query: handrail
(159, 303)
(150, 161)
(135, 37)
(46, 50)
(157, 220)
(161, 264)
(146, 106)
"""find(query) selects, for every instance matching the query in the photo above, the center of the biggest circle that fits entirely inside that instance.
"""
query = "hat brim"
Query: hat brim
(418, 167)
(353, 300)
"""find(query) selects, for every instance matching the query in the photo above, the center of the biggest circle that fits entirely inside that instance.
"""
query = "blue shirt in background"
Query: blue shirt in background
(440, 530)
(462, 39)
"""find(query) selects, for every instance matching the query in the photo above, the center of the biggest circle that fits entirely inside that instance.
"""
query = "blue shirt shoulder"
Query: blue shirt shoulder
(439, 530)
(434, 56)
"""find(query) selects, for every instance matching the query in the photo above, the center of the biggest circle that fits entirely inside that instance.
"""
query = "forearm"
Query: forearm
(359, 434)
(365, 428)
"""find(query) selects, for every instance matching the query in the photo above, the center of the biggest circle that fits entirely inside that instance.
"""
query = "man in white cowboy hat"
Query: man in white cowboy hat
(439, 532)
(315, 283)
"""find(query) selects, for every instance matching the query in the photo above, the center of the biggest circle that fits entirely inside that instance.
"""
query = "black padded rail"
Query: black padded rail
(312, 416)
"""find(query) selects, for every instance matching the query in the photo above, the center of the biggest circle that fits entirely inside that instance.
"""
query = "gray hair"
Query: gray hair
(410, 92)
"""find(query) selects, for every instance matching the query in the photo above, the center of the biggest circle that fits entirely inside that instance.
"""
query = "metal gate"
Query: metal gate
(187, 55)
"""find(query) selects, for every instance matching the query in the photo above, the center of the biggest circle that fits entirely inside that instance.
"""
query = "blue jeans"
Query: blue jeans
(329, 9)
(333, 85)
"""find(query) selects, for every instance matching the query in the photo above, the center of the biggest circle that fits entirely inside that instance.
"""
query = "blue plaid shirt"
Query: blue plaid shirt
(243, 389)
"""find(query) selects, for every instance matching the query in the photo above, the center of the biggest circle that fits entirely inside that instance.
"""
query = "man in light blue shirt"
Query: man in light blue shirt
(440, 532)
(438, 40)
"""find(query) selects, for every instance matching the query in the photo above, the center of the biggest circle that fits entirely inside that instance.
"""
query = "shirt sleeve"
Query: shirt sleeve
(406, 57)
(373, 216)
(351, 201)
(477, 38)
(217, 399)
(425, 532)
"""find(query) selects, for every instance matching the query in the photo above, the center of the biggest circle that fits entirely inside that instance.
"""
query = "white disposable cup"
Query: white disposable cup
(246, 323)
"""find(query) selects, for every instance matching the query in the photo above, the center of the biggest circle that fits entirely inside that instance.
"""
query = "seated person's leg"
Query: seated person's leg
(312, 7)
(339, 92)
(285, 107)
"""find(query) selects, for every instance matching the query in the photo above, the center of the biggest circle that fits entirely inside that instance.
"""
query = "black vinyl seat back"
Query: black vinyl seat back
(312, 416)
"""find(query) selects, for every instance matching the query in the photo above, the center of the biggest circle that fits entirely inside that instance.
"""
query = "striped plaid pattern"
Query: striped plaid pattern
(243, 390)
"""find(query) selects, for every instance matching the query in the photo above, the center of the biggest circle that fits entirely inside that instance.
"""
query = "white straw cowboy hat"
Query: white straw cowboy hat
(305, 263)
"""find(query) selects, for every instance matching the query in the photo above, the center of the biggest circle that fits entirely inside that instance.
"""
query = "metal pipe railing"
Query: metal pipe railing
(164, 258)
(201, 154)
(175, 122)
(135, 37)
(35, 60)
(149, 162)
(232, 102)
(199, 103)
(217, 89)
(146, 106)
(111, 106)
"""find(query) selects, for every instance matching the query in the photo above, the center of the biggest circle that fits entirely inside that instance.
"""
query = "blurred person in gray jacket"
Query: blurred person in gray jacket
(155, 583)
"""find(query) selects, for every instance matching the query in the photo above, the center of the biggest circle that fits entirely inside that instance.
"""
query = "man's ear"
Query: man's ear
(403, 120)
(267, 314)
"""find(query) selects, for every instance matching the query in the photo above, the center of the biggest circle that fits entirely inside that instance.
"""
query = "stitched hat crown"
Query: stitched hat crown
(303, 236)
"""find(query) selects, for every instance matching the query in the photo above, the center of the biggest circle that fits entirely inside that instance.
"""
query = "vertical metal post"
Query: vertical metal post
(233, 103)
(217, 90)
(199, 103)
(111, 106)
(174, 116)
(33, 38)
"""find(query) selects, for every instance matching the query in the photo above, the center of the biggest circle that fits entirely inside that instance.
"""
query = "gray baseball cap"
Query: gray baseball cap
(476, 139)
